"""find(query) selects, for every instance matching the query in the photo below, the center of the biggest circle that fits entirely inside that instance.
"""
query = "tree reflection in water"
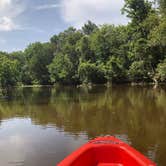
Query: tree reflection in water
(136, 114)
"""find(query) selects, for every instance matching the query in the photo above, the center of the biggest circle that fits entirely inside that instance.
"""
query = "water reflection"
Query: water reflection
(39, 126)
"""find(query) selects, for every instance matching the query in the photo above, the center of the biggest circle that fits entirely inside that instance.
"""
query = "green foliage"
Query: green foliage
(157, 42)
(161, 71)
(23, 68)
(108, 41)
(115, 70)
(100, 44)
(158, 35)
(9, 72)
(137, 10)
(89, 28)
(60, 69)
(38, 57)
(162, 4)
(67, 45)
(96, 54)
(84, 47)
(138, 72)
(92, 73)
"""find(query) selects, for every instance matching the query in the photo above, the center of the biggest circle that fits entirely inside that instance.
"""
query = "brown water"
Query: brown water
(40, 126)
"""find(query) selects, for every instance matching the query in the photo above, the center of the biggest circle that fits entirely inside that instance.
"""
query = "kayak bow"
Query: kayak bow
(106, 151)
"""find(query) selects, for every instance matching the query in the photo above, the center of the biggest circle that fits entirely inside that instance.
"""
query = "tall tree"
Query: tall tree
(9, 71)
(61, 70)
(137, 10)
(89, 28)
(84, 47)
(39, 56)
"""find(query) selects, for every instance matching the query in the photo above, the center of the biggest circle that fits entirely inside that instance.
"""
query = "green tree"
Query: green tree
(97, 54)
(67, 45)
(61, 70)
(137, 10)
(109, 41)
(100, 44)
(39, 56)
(157, 43)
(161, 71)
(9, 71)
(89, 28)
(158, 35)
(92, 73)
(138, 72)
(24, 70)
(162, 4)
(84, 47)
(115, 70)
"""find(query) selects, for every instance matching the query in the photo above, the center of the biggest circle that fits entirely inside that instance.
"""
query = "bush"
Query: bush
(115, 70)
(92, 73)
(161, 71)
(138, 72)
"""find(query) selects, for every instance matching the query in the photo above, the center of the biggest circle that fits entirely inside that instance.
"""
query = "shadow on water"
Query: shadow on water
(135, 114)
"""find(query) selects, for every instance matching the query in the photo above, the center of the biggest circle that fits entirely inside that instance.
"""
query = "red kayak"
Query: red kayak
(106, 151)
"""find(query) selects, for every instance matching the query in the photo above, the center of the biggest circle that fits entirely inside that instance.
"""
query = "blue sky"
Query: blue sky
(26, 21)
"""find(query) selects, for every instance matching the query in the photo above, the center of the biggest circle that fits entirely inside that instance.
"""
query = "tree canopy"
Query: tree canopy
(97, 54)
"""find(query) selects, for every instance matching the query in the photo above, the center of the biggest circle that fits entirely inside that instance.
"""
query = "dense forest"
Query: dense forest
(96, 54)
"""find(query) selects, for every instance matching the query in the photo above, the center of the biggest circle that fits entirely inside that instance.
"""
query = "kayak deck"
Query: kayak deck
(109, 164)
(106, 151)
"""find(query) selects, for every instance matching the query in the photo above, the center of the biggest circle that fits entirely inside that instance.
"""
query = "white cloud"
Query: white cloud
(49, 6)
(9, 11)
(4, 3)
(77, 12)
(7, 24)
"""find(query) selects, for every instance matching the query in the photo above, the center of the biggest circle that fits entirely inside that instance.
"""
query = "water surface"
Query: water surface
(40, 126)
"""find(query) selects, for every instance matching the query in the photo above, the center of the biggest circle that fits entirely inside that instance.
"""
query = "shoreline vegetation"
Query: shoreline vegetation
(88, 85)
(96, 54)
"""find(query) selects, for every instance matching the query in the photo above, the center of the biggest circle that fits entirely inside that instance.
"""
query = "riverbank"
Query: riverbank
(89, 85)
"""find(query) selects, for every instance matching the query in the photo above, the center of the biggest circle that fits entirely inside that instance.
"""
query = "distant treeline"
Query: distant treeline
(96, 54)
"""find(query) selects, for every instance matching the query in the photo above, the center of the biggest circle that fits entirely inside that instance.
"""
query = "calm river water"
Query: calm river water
(40, 126)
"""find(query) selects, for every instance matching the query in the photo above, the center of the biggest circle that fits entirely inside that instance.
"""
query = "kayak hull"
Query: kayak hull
(106, 151)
